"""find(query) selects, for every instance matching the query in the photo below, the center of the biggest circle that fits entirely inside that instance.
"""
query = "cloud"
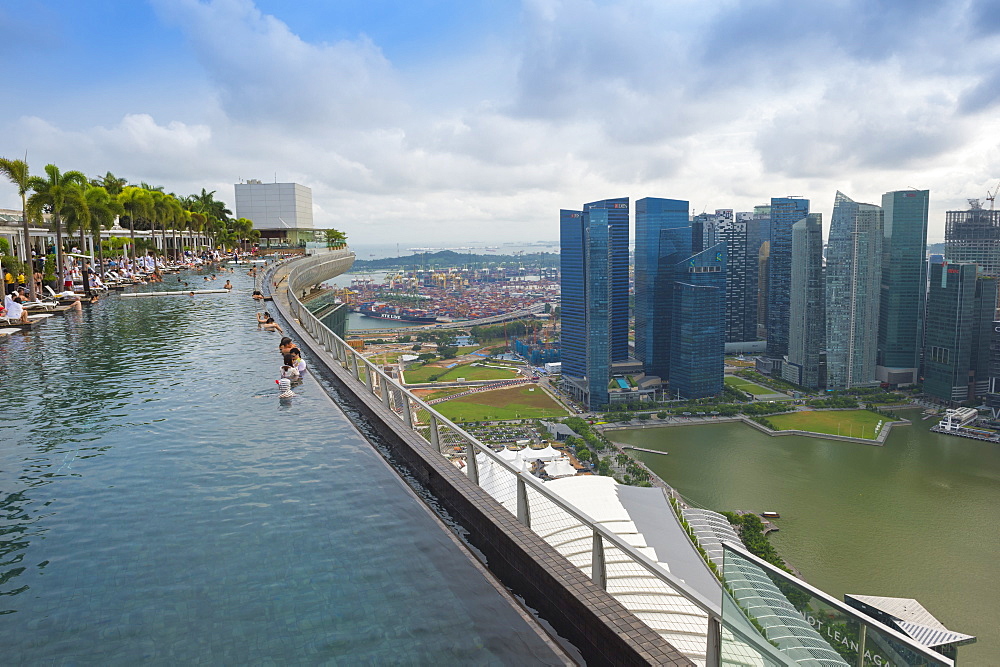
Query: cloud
(266, 73)
(724, 104)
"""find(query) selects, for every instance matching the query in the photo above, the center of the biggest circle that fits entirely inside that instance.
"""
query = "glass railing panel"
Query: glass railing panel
(768, 610)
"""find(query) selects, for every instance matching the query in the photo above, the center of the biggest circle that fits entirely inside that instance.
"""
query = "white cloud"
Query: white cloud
(723, 104)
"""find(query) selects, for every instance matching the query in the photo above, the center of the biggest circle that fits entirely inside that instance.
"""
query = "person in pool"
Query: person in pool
(298, 363)
(228, 285)
(271, 325)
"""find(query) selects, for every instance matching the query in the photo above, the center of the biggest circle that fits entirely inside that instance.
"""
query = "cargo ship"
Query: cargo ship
(384, 311)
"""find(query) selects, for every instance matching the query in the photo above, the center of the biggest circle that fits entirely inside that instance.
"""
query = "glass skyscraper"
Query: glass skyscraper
(957, 353)
(573, 299)
(853, 285)
(974, 236)
(904, 285)
(740, 233)
(654, 215)
(807, 329)
(697, 323)
(594, 309)
(785, 212)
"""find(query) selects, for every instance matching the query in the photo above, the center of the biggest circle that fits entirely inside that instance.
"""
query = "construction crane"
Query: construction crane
(991, 196)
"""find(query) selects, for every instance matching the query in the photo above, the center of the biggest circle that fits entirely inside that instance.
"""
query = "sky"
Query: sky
(446, 121)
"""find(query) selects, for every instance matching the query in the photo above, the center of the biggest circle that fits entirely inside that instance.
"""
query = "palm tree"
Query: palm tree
(77, 213)
(103, 209)
(50, 193)
(136, 202)
(335, 238)
(178, 220)
(243, 227)
(16, 171)
(111, 183)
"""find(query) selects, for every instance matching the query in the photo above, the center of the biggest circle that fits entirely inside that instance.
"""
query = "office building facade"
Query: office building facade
(853, 287)
(739, 231)
(974, 236)
(662, 230)
(807, 329)
(960, 311)
(903, 290)
(594, 310)
(697, 294)
(785, 212)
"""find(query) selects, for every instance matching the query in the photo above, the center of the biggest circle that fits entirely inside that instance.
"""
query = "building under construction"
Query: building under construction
(974, 236)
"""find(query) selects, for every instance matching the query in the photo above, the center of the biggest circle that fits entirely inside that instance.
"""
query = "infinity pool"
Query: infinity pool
(159, 505)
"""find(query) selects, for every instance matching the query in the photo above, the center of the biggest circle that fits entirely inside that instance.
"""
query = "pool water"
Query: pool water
(159, 504)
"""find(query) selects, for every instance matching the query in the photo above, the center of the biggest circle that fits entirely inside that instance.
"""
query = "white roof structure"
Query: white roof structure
(914, 620)
(547, 453)
(560, 468)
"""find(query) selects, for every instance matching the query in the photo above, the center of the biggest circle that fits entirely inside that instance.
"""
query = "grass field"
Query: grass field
(747, 386)
(856, 423)
(511, 403)
(421, 374)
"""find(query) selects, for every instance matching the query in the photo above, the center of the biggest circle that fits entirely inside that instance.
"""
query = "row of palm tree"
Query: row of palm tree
(91, 205)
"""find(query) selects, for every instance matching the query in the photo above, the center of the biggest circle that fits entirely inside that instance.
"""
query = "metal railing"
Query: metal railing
(805, 624)
(607, 554)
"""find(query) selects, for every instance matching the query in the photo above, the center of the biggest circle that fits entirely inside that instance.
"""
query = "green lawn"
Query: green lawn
(421, 374)
(856, 423)
(747, 386)
(511, 403)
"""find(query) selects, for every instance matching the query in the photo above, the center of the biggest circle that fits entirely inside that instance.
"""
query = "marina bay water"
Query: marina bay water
(915, 518)
(160, 506)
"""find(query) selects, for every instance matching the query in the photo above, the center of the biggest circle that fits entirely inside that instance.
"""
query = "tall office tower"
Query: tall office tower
(807, 330)
(974, 236)
(573, 291)
(904, 281)
(761, 246)
(652, 331)
(960, 306)
(614, 213)
(853, 284)
(763, 261)
(594, 309)
(697, 304)
(738, 232)
(785, 212)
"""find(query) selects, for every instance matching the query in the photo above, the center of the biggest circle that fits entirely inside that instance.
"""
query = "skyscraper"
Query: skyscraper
(960, 306)
(738, 231)
(654, 215)
(807, 329)
(594, 310)
(785, 212)
(573, 294)
(697, 323)
(904, 281)
(974, 236)
(615, 214)
(853, 284)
